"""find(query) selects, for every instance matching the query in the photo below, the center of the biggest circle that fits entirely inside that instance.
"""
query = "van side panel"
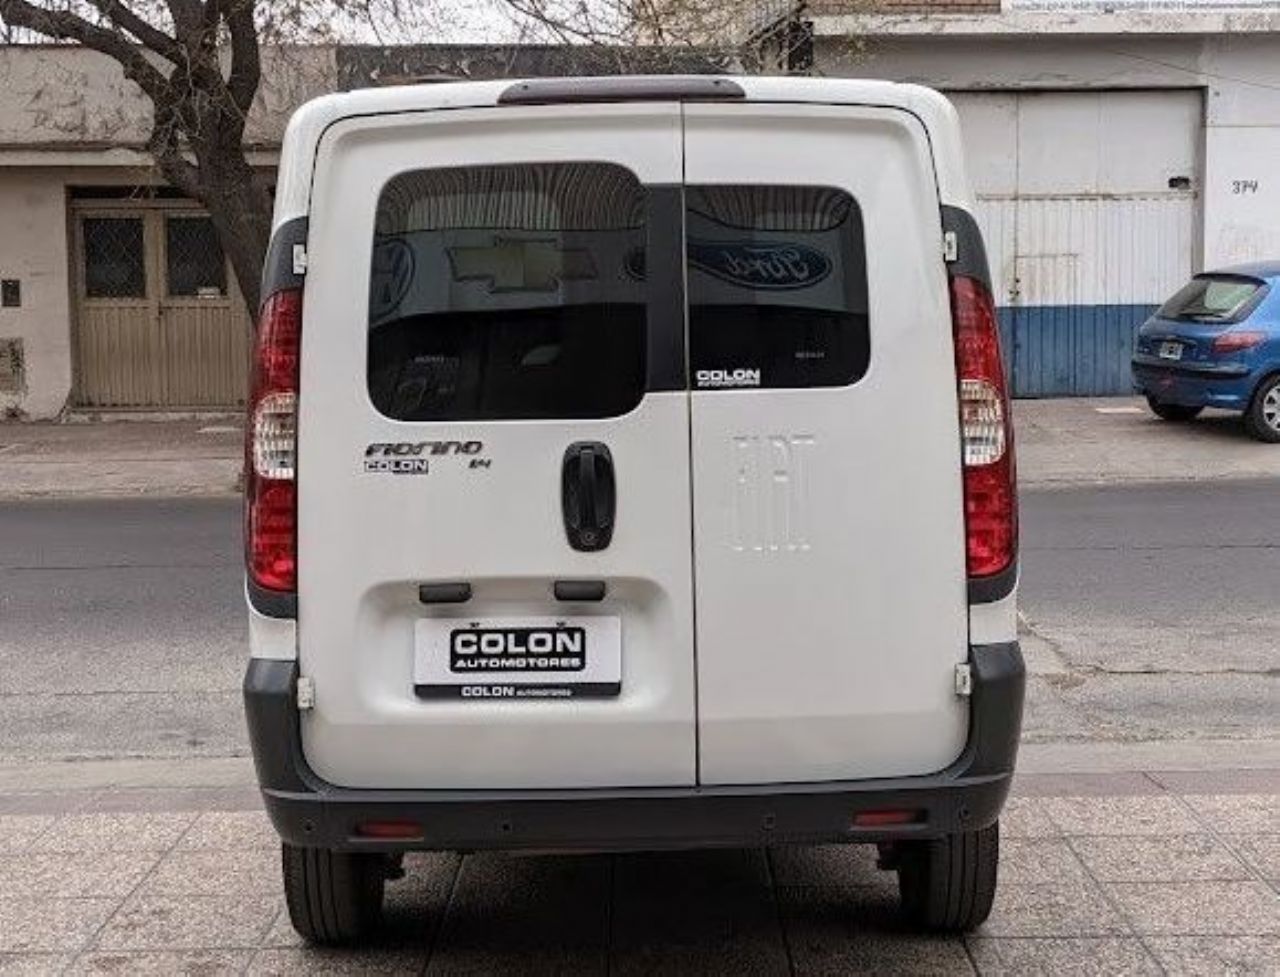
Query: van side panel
(828, 528)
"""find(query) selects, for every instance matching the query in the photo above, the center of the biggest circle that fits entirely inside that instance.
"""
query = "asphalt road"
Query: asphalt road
(1151, 613)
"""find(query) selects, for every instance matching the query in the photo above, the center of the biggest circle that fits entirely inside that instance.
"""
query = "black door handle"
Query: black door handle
(588, 494)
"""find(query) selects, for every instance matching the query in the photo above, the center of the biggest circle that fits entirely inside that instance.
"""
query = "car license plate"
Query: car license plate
(518, 658)
(1171, 351)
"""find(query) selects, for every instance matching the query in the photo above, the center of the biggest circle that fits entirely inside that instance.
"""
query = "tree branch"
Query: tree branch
(151, 37)
(68, 26)
(246, 56)
(188, 22)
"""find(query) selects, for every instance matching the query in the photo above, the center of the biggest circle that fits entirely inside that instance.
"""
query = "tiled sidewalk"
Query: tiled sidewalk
(1115, 874)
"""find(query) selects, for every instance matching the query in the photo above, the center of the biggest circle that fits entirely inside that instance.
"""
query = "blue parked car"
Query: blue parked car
(1216, 343)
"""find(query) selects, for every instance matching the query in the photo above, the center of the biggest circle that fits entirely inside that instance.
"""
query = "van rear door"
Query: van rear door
(494, 528)
(828, 525)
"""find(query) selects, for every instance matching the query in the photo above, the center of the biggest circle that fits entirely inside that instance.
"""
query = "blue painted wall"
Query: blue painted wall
(1070, 350)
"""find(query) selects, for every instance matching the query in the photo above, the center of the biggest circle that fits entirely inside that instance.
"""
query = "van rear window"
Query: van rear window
(512, 291)
(777, 287)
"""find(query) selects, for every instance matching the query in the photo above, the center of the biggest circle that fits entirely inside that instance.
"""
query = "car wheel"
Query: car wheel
(948, 884)
(334, 897)
(1262, 419)
(1173, 412)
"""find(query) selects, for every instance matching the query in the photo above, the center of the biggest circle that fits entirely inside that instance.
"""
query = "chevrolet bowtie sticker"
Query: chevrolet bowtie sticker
(521, 265)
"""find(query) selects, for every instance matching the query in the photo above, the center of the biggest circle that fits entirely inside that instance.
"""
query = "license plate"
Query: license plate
(518, 658)
(1171, 351)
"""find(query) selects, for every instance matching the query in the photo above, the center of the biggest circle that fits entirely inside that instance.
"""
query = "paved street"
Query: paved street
(1150, 612)
(1153, 611)
(122, 629)
(1153, 614)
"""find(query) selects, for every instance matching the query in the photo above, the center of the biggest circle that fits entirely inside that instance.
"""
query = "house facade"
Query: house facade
(1115, 150)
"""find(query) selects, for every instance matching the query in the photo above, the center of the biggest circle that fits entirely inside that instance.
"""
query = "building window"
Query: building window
(114, 258)
(194, 263)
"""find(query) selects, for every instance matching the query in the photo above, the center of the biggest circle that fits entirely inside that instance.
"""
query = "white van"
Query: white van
(630, 467)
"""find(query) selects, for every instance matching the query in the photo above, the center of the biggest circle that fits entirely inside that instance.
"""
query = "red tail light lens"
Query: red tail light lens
(986, 432)
(271, 445)
(1235, 342)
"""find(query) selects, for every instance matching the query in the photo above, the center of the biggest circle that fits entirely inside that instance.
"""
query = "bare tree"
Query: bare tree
(647, 35)
(199, 62)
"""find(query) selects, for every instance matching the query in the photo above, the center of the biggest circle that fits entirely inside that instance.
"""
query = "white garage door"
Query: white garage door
(1088, 204)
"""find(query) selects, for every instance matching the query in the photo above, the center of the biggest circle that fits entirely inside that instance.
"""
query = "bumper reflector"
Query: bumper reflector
(389, 830)
(882, 819)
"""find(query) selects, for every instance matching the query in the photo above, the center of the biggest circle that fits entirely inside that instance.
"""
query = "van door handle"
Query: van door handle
(588, 495)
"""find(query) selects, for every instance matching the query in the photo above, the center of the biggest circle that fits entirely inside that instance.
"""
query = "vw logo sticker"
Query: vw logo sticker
(391, 276)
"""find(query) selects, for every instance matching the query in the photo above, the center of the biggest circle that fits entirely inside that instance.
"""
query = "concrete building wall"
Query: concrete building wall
(1239, 75)
(1242, 147)
(33, 250)
(62, 97)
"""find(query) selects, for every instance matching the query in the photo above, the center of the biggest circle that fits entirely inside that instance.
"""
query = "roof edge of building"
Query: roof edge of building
(1056, 22)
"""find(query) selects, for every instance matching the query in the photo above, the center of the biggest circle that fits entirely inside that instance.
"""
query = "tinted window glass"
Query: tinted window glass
(1213, 298)
(777, 287)
(508, 292)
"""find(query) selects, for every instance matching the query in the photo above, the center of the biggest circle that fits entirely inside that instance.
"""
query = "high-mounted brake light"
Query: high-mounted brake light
(986, 431)
(271, 445)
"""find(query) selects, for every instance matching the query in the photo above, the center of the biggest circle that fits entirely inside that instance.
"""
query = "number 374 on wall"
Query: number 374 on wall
(1244, 186)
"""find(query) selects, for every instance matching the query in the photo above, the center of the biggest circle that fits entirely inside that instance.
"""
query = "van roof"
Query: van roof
(312, 119)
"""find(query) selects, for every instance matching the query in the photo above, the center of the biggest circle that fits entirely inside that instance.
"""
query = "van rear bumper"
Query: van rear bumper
(967, 795)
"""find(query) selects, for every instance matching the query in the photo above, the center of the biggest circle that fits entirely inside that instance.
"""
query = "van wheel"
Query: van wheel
(1262, 419)
(948, 884)
(1173, 412)
(334, 897)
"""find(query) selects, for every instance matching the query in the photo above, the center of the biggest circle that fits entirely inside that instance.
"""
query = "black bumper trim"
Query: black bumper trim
(967, 795)
(998, 586)
(271, 603)
(277, 270)
(971, 252)
(1203, 371)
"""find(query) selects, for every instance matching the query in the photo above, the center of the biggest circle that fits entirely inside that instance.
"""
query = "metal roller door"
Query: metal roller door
(1088, 204)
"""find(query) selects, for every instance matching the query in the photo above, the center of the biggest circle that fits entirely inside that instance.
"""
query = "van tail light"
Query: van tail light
(271, 443)
(1235, 342)
(986, 432)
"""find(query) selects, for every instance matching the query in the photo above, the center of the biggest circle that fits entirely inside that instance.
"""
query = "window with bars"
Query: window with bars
(115, 264)
(194, 263)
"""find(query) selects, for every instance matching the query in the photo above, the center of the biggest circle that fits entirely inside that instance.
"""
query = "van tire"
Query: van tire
(1173, 412)
(948, 884)
(1255, 418)
(334, 897)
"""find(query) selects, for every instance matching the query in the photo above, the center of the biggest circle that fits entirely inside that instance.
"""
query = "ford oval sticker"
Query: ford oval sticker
(769, 266)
